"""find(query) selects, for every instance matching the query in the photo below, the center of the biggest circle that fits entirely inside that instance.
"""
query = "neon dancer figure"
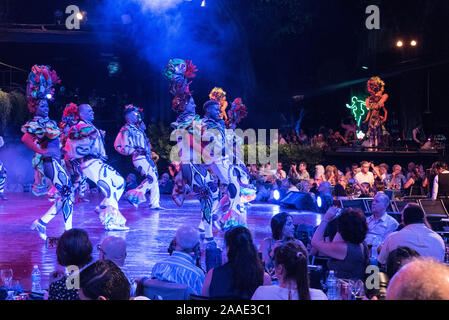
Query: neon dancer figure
(42, 135)
(132, 140)
(2, 174)
(187, 130)
(375, 103)
(85, 149)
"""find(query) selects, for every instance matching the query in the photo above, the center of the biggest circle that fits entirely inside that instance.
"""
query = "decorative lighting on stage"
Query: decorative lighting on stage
(276, 195)
(413, 43)
(203, 4)
(79, 16)
(319, 202)
(365, 67)
(49, 96)
(360, 135)
(358, 109)
(399, 44)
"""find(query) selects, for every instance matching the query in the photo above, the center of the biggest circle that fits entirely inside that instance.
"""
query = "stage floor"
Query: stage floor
(147, 240)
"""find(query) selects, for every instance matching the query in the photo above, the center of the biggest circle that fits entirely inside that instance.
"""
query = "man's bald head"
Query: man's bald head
(380, 204)
(420, 279)
(114, 249)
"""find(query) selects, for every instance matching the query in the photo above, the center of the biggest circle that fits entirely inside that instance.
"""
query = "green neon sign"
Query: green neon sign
(358, 109)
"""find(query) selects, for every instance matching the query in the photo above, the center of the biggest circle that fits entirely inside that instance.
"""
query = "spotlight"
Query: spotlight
(319, 202)
(276, 195)
(413, 43)
(203, 4)
(79, 16)
(399, 44)
(48, 96)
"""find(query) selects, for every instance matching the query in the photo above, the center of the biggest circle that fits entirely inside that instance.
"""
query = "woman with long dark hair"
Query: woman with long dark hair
(291, 262)
(282, 231)
(242, 274)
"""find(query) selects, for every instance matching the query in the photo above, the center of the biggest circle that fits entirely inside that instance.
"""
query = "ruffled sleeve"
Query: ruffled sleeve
(123, 143)
(41, 129)
(82, 131)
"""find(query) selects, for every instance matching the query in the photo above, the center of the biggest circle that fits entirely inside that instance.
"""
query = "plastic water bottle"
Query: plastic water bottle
(213, 256)
(332, 290)
(36, 280)
(376, 243)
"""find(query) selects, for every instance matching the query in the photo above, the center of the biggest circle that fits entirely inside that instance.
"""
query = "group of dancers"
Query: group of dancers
(70, 153)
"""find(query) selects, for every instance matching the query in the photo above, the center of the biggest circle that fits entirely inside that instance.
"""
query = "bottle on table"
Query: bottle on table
(36, 280)
(332, 287)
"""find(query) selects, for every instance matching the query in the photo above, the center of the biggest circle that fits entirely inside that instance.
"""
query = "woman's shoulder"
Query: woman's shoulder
(266, 292)
(316, 294)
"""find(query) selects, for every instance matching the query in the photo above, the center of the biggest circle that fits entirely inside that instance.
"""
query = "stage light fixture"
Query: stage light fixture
(399, 44)
(48, 96)
(414, 43)
(276, 195)
(203, 4)
(79, 16)
(319, 202)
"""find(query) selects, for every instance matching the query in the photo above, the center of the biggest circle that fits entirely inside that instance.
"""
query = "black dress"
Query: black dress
(58, 291)
(221, 285)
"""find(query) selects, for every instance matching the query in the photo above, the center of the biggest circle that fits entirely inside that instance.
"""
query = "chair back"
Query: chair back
(156, 290)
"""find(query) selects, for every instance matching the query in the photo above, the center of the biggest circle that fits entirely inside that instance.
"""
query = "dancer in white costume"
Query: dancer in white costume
(42, 135)
(85, 148)
(132, 140)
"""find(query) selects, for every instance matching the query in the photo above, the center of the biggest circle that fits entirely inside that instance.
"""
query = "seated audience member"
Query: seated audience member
(304, 186)
(365, 190)
(292, 184)
(114, 249)
(282, 231)
(180, 267)
(319, 172)
(365, 175)
(441, 181)
(379, 186)
(398, 258)
(415, 235)
(420, 279)
(242, 274)
(302, 137)
(380, 224)
(350, 175)
(74, 249)
(280, 174)
(329, 175)
(383, 173)
(410, 169)
(165, 184)
(103, 280)
(291, 268)
(302, 174)
(414, 185)
(348, 254)
(340, 188)
(397, 179)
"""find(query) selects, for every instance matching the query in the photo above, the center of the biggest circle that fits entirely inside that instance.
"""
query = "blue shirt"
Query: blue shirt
(180, 268)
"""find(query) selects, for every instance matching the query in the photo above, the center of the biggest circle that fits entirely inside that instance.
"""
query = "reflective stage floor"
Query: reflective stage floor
(147, 240)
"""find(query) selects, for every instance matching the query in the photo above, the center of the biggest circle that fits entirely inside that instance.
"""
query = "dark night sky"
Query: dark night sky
(328, 52)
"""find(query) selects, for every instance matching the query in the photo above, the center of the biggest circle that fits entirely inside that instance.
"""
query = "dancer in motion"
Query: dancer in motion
(2, 174)
(132, 140)
(375, 103)
(69, 119)
(42, 135)
(188, 136)
(86, 152)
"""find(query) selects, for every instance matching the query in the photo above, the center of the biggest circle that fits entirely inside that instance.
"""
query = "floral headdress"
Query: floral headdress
(70, 114)
(218, 94)
(375, 85)
(178, 71)
(237, 113)
(40, 85)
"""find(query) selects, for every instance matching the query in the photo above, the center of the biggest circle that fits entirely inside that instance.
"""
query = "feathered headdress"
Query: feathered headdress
(374, 85)
(237, 113)
(40, 85)
(178, 71)
(132, 107)
(218, 94)
(70, 114)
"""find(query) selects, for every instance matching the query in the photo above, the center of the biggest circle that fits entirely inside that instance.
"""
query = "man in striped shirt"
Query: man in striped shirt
(180, 266)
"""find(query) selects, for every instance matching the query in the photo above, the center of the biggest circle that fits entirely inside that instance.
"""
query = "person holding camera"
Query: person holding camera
(181, 267)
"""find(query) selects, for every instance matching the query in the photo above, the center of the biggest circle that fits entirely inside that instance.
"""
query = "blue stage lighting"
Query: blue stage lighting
(48, 96)
(319, 202)
(276, 195)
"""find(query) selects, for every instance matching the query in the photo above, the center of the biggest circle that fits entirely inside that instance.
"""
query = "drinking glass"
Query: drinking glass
(357, 288)
(6, 275)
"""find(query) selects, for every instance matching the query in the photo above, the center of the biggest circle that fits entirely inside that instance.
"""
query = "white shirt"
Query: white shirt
(417, 237)
(381, 228)
(276, 292)
(361, 177)
(435, 185)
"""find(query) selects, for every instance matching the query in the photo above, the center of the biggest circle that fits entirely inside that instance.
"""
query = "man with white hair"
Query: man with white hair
(380, 224)
(180, 266)
(420, 279)
(114, 249)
